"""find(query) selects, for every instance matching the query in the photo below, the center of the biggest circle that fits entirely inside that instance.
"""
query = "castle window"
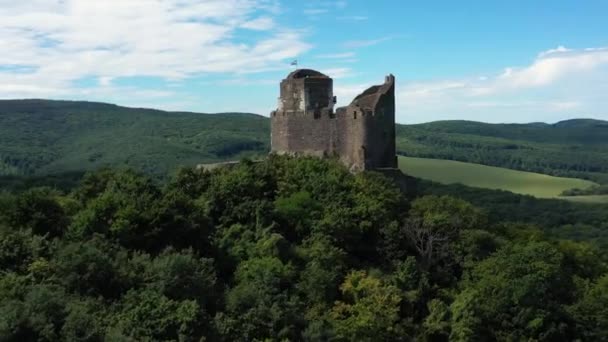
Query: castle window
(354, 114)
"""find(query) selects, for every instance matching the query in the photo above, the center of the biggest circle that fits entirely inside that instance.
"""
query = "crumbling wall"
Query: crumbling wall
(362, 134)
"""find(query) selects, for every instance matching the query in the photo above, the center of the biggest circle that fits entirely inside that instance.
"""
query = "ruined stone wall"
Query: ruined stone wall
(380, 129)
(367, 128)
(351, 137)
(303, 134)
(304, 121)
(362, 135)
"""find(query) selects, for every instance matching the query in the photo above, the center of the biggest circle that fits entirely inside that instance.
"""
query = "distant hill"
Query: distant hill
(573, 148)
(43, 137)
(40, 137)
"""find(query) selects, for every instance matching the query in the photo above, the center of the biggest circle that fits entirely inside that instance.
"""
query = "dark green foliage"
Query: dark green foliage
(516, 294)
(595, 190)
(149, 315)
(36, 209)
(591, 311)
(564, 219)
(289, 249)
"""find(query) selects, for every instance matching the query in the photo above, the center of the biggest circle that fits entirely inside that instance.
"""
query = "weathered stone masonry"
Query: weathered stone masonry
(361, 135)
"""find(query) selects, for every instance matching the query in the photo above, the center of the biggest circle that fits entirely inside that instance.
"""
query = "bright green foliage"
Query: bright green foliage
(447, 213)
(150, 316)
(437, 323)
(369, 310)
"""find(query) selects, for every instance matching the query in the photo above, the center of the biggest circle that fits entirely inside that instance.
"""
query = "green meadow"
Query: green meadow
(482, 176)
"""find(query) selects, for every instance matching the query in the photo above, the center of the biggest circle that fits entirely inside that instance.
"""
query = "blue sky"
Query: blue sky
(492, 61)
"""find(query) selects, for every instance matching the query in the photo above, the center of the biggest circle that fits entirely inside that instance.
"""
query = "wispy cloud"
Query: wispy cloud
(345, 93)
(353, 18)
(364, 43)
(337, 55)
(259, 24)
(60, 42)
(321, 7)
(338, 73)
(315, 11)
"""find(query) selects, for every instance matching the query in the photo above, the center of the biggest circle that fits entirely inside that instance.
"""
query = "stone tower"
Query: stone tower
(361, 135)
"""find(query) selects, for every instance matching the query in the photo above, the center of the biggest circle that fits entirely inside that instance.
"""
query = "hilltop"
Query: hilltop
(41, 137)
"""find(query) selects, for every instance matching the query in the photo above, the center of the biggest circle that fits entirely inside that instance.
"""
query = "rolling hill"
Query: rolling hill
(42, 137)
(574, 148)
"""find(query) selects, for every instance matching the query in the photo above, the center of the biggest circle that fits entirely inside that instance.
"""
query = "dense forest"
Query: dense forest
(574, 148)
(291, 249)
(39, 138)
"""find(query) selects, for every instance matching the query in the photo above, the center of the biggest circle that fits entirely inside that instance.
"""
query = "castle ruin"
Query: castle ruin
(361, 135)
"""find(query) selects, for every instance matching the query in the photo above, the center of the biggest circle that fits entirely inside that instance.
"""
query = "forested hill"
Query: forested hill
(44, 137)
(575, 148)
(575, 131)
(40, 137)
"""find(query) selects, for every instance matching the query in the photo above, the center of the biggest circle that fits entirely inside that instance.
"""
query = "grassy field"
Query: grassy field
(528, 183)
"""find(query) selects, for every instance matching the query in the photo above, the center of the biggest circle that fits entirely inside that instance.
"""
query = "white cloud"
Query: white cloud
(260, 24)
(105, 81)
(566, 105)
(346, 93)
(422, 91)
(337, 73)
(560, 83)
(558, 49)
(364, 43)
(337, 55)
(315, 11)
(63, 41)
(551, 66)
